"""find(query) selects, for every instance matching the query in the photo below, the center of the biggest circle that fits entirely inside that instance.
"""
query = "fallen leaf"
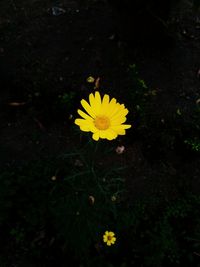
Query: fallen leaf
(41, 126)
(91, 200)
(90, 79)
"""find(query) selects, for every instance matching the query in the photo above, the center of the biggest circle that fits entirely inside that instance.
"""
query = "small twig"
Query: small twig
(16, 104)
(40, 125)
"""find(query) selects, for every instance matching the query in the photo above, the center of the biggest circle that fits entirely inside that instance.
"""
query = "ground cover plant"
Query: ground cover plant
(99, 140)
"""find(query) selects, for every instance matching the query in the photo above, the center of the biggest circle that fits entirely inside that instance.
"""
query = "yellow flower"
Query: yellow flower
(90, 79)
(109, 238)
(113, 198)
(104, 117)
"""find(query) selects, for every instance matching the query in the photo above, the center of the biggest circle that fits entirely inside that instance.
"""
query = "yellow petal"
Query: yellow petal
(84, 115)
(126, 126)
(95, 136)
(110, 134)
(79, 121)
(102, 134)
(92, 100)
(118, 121)
(105, 104)
(113, 108)
(121, 112)
(113, 240)
(88, 108)
(86, 124)
(83, 122)
(119, 130)
(84, 128)
(97, 102)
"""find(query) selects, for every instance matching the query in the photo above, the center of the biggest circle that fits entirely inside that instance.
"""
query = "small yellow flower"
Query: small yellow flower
(109, 238)
(113, 198)
(53, 178)
(90, 79)
(104, 117)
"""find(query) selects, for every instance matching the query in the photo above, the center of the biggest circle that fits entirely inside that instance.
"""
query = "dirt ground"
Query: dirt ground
(43, 56)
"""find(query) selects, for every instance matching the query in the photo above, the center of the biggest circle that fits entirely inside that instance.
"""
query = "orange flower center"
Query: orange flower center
(109, 237)
(102, 122)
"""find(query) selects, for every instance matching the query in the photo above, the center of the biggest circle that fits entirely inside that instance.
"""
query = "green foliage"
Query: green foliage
(194, 144)
(141, 97)
(66, 101)
(69, 202)
(140, 89)
(160, 235)
(66, 98)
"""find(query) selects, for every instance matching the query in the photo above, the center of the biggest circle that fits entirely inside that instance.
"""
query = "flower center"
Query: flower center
(109, 237)
(102, 122)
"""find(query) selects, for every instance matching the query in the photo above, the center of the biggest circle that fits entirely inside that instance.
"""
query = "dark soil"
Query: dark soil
(43, 57)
